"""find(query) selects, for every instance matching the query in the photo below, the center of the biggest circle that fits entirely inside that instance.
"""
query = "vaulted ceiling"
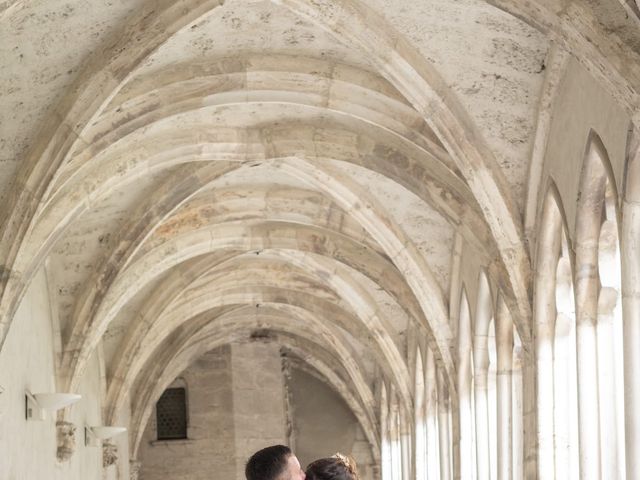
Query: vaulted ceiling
(190, 171)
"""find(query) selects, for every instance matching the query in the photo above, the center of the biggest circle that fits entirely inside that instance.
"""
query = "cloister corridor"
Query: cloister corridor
(405, 230)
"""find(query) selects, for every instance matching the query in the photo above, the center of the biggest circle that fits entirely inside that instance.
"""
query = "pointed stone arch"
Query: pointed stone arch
(356, 24)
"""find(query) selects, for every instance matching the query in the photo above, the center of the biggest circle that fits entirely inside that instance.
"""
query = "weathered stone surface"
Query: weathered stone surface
(429, 206)
(109, 454)
(66, 440)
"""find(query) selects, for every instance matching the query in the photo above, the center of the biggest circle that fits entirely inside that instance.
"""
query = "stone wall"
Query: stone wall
(582, 107)
(27, 363)
(258, 399)
(235, 398)
(324, 425)
(237, 405)
(210, 446)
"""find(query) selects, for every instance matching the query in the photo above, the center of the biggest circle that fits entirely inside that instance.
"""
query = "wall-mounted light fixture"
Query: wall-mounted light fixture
(93, 434)
(37, 403)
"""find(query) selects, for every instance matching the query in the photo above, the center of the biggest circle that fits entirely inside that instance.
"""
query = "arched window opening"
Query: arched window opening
(599, 321)
(610, 343)
(171, 414)
(565, 371)
(555, 325)
(630, 245)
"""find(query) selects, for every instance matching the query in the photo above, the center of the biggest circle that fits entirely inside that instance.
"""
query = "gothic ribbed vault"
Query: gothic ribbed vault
(384, 187)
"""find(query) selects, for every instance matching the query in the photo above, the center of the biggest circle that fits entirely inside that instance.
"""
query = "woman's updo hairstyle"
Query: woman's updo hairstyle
(337, 467)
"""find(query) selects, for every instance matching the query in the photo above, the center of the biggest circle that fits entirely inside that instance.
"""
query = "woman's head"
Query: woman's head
(337, 467)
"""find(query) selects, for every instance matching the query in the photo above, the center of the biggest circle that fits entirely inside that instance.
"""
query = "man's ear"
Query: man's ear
(286, 472)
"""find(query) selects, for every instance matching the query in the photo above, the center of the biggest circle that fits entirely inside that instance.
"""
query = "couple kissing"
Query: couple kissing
(279, 463)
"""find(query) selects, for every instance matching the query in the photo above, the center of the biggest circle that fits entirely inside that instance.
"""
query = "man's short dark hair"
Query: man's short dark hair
(268, 463)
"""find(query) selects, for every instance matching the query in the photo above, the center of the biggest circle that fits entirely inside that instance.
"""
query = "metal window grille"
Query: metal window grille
(171, 414)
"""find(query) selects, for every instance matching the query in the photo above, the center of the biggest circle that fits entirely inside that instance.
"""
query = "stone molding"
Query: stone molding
(109, 454)
(66, 437)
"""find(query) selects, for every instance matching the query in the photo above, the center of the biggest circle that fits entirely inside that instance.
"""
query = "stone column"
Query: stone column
(385, 440)
(523, 381)
(504, 347)
(135, 468)
(608, 384)
(544, 326)
(444, 429)
(465, 394)
(480, 372)
(394, 436)
(405, 444)
(258, 399)
(431, 405)
(420, 446)
(587, 286)
(631, 315)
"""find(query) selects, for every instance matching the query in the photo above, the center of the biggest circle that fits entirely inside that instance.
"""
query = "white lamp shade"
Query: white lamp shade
(106, 432)
(55, 401)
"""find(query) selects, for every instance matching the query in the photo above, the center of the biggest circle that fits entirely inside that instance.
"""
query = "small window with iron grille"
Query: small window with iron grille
(171, 414)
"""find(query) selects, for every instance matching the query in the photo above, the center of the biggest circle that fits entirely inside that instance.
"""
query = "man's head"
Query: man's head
(274, 463)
